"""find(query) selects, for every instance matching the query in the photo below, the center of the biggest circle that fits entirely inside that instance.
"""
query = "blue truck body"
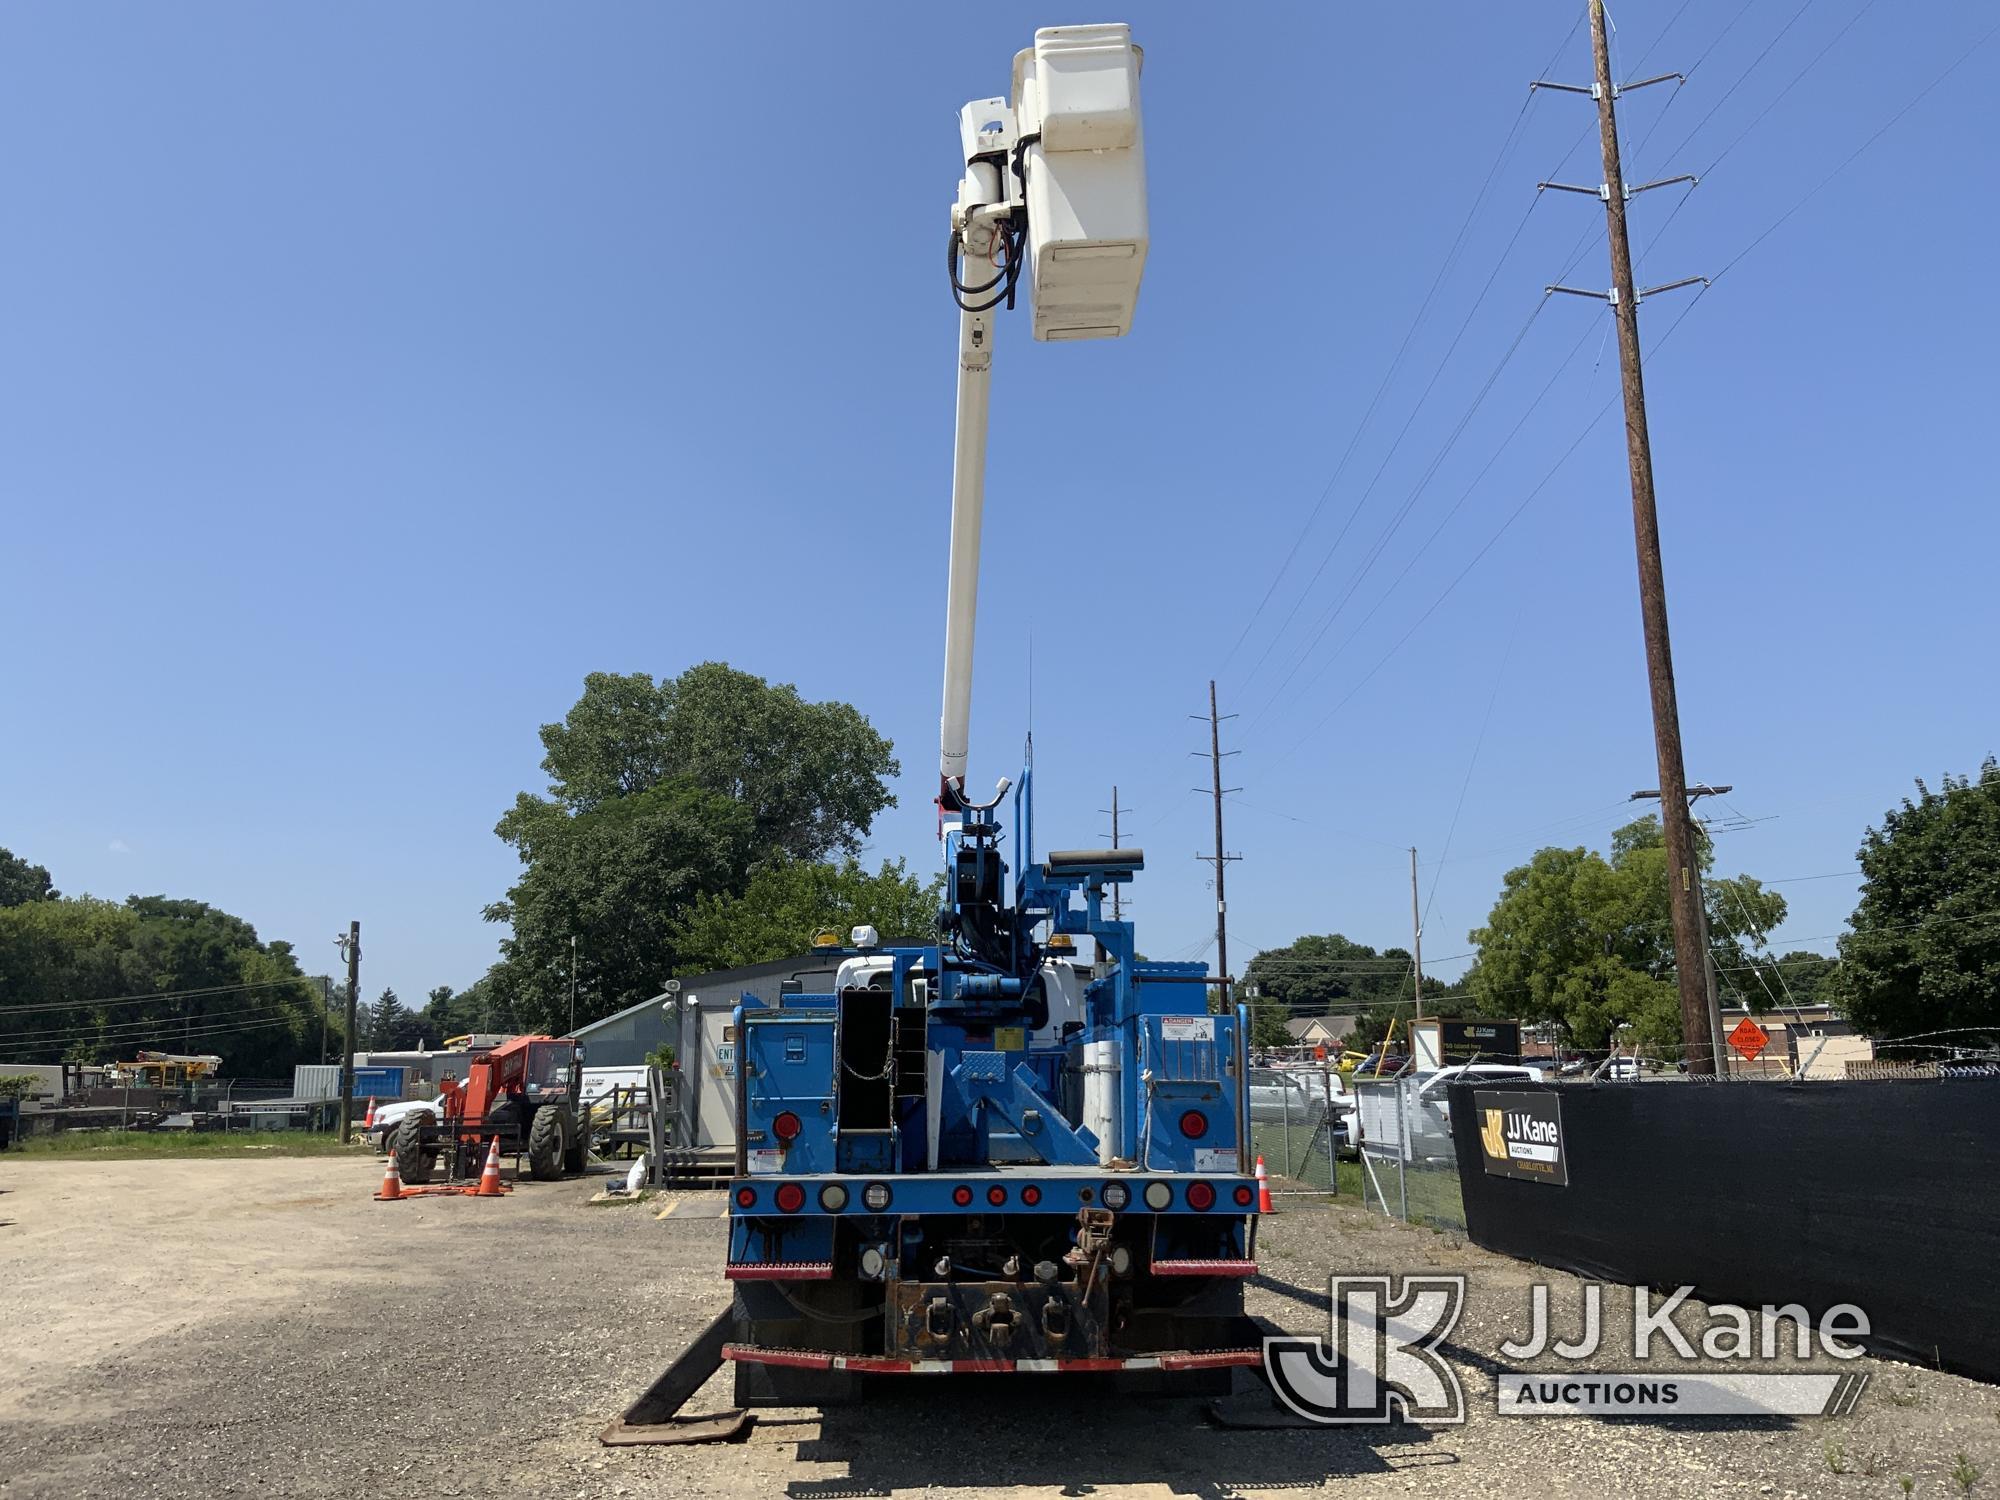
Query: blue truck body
(979, 1154)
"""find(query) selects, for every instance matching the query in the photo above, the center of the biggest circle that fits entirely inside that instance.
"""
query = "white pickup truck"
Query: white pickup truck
(389, 1116)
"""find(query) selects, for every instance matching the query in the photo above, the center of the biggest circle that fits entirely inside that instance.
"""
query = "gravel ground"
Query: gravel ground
(262, 1328)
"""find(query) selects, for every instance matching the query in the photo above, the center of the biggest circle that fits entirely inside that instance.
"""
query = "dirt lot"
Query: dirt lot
(214, 1328)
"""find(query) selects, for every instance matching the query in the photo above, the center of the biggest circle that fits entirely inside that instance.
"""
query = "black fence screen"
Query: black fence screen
(1882, 1194)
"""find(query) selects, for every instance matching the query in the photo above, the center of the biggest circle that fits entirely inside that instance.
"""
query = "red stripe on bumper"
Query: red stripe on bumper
(1204, 1268)
(1213, 1360)
(779, 1270)
(797, 1359)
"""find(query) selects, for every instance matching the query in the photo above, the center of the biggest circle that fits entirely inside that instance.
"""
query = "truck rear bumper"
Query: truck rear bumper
(878, 1364)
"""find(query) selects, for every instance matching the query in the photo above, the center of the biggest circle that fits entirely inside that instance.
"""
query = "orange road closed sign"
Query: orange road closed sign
(1749, 1038)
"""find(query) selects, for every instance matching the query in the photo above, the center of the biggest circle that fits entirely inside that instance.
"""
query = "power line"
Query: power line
(1395, 364)
(1658, 345)
(1443, 522)
(115, 1027)
(218, 989)
(1325, 622)
(167, 1031)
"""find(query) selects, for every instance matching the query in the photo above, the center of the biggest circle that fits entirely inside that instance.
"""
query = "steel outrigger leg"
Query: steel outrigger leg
(654, 1418)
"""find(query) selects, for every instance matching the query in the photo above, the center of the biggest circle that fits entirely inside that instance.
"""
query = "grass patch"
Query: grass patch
(164, 1145)
(1433, 1192)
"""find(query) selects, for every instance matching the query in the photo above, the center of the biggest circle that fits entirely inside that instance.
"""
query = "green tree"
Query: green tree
(448, 1013)
(661, 794)
(86, 980)
(812, 775)
(613, 877)
(392, 1026)
(1329, 975)
(21, 882)
(783, 906)
(1586, 942)
(1924, 953)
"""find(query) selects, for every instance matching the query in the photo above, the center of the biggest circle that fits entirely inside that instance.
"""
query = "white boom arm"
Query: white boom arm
(978, 221)
(1054, 185)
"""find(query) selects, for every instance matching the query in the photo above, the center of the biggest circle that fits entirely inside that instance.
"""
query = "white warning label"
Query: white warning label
(1187, 1028)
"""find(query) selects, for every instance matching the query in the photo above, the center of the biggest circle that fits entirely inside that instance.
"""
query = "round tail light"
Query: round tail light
(962, 1195)
(1158, 1196)
(786, 1126)
(1194, 1124)
(996, 1195)
(833, 1197)
(875, 1197)
(791, 1198)
(1245, 1196)
(1200, 1197)
(1031, 1195)
(746, 1197)
(1115, 1195)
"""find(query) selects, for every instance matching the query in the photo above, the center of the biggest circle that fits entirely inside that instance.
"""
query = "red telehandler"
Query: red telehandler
(524, 1092)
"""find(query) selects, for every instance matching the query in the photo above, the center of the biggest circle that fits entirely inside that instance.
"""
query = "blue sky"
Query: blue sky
(373, 372)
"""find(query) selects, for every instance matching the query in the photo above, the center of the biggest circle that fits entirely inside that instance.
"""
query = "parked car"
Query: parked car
(1300, 1098)
(1277, 1096)
(1432, 1092)
(1375, 1064)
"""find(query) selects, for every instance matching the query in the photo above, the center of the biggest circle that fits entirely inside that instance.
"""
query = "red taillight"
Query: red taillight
(1194, 1124)
(746, 1197)
(1244, 1195)
(786, 1126)
(791, 1198)
(1201, 1197)
(1031, 1195)
(961, 1195)
(996, 1195)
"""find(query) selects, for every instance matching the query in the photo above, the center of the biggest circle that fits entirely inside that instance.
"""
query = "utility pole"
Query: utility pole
(1416, 935)
(1117, 904)
(572, 984)
(351, 947)
(325, 1013)
(1624, 298)
(1218, 859)
(1721, 1053)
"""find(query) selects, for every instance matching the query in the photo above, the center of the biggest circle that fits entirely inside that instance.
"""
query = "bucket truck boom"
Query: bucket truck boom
(981, 1152)
(1054, 184)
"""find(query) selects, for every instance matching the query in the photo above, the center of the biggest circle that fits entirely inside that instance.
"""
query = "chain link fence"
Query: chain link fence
(1300, 1138)
(1409, 1170)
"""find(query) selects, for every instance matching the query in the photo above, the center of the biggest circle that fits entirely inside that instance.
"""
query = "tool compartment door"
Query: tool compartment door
(788, 1066)
(1190, 1072)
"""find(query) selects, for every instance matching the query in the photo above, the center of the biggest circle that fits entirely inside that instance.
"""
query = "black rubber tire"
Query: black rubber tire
(547, 1143)
(578, 1154)
(413, 1162)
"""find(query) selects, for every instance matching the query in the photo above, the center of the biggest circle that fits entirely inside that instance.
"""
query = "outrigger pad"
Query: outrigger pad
(719, 1428)
(654, 1418)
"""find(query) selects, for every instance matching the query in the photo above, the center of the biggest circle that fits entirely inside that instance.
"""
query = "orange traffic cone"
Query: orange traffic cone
(368, 1120)
(490, 1185)
(1264, 1204)
(392, 1183)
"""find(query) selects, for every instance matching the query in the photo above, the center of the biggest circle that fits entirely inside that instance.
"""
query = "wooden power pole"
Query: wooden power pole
(1219, 859)
(351, 944)
(1682, 868)
(1117, 904)
(1416, 937)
